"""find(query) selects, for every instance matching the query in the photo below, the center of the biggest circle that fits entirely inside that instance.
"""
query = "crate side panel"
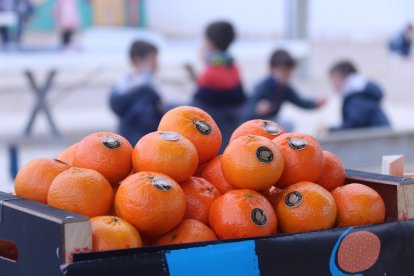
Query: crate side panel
(38, 241)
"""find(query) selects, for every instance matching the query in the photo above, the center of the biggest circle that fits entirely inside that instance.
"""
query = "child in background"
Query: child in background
(67, 19)
(6, 10)
(402, 43)
(275, 89)
(134, 98)
(24, 10)
(219, 90)
(361, 107)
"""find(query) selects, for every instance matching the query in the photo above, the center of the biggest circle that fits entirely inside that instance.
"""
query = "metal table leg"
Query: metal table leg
(41, 92)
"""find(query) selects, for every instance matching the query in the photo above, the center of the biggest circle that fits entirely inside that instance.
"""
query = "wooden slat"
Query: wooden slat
(393, 165)
(405, 202)
(409, 175)
(78, 239)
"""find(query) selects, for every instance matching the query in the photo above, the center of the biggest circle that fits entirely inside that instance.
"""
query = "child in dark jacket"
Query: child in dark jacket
(402, 43)
(134, 98)
(219, 90)
(275, 89)
(361, 107)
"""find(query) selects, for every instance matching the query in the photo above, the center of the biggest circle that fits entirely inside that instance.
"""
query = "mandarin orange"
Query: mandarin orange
(241, 214)
(252, 162)
(197, 126)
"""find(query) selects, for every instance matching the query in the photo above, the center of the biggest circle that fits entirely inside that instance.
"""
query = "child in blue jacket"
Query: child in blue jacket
(402, 43)
(276, 89)
(134, 98)
(361, 106)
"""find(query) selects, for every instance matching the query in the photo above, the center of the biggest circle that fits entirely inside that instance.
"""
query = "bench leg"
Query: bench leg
(41, 105)
(13, 161)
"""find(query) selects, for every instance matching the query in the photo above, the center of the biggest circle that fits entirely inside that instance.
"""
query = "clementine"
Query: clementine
(107, 153)
(112, 233)
(241, 214)
(189, 230)
(274, 196)
(303, 157)
(8, 250)
(305, 206)
(333, 174)
(152, 202)
(34, 178)
(214, 174)
(358, 205)
(199, 194)
(197, 126)
(81, 191)
(200, 169)
(252, 162)
(264, 128)
(68, 154)
(165, 152)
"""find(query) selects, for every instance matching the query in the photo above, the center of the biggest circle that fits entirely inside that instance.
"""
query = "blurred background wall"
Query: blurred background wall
(93, 13)
(348, 20)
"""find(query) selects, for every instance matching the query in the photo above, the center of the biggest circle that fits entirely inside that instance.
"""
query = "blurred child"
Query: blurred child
(402, 43)
(24, 9)
(361, 106)
(275, 89)
(6, 10)
(134, 98)
(67, 18)
(219, 90)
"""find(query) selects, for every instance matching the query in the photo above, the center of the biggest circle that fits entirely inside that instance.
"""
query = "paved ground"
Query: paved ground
(81, 110)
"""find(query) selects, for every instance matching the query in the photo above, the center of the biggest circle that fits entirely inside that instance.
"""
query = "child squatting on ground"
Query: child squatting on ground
(402, 43)
(134, 98)
(219, 89)
(361, 98)
(275, 89)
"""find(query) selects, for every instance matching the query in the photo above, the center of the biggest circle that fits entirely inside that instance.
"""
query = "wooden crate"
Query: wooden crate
(48, 238)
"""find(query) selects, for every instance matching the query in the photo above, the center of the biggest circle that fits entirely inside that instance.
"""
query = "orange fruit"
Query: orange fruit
(152, 202)
(107, 153)
(147, 241)
(189, 230)
(333, 174)
(8, 250)
(214, 174)
(252, 162)
(112, 209)
(241, 214)
(34, 178)
(303, 157)
(81, 191)
(112, 233)
(68, 154)
(358, 205)
(264, 128)
(274, 196)
(197, 126)
(200, 169)
(199, 194)
(305, 206)
(165, 152)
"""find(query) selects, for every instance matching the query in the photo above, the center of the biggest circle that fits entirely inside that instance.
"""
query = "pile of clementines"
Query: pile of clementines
(173, 188)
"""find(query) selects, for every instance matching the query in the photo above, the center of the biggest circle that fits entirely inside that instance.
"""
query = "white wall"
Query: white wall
(358, 19)
(349, 19)
(259, 18)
